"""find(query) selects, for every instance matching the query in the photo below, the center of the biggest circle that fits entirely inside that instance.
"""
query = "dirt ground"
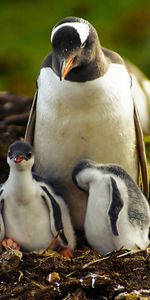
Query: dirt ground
(120, 275)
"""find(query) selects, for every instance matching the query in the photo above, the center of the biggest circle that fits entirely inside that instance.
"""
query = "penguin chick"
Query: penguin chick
(32, 214)
(118, 214)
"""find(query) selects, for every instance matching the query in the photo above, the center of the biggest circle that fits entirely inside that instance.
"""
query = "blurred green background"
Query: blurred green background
(25, 27)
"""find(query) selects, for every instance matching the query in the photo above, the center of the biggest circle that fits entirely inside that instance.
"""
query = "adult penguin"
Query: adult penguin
(83, 108)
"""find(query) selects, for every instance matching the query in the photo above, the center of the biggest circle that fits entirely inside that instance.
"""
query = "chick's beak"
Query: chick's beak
(66, 67)
(18, 159)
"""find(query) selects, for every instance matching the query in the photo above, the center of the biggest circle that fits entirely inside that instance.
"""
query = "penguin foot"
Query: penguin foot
(65, 251)
(10, 244)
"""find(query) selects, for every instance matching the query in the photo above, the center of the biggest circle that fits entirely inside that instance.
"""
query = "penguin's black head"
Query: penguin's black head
(20, 153)
(75, 44)
(79, 177)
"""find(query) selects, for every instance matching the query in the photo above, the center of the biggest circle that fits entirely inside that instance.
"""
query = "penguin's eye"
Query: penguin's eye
(83, 45)
(9, 153)
(29, 154)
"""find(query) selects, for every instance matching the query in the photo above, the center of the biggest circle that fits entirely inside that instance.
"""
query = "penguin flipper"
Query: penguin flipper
(29, 133)
(141, 153)
(2, 228)
(115, 206)
(56, 223)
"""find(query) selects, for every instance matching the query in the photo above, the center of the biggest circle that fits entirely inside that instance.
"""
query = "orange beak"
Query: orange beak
(66, 67)
(18, 159)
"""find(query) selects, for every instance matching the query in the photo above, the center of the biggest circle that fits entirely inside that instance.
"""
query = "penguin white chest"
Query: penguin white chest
(92, 120)
(27, 221)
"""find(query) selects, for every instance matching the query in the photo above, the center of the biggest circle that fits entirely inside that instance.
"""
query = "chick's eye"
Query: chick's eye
(83, 45)
(9, 153)
(29, 155)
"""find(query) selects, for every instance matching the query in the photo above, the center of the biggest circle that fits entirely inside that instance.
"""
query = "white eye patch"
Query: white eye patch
(81, 28)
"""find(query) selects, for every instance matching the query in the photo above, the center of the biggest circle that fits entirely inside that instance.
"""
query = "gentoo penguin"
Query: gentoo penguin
(83, 108)
(31, 212)
(118, 214)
